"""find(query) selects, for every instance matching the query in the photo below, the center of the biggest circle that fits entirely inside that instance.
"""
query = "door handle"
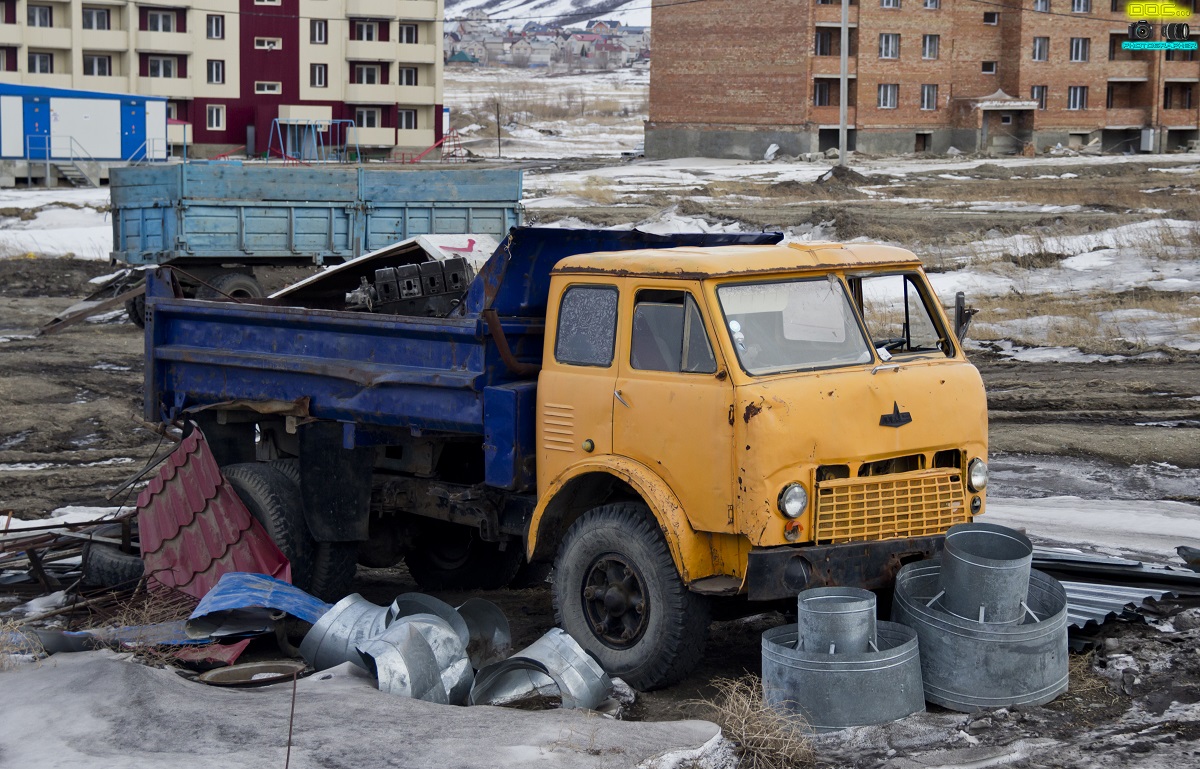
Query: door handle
(618, 394)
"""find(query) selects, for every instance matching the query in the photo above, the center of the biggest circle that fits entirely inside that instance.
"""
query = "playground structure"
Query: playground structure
(300, 141)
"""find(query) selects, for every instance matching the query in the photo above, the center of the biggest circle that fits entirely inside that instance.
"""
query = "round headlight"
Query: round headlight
(977, 475)
(793, 500)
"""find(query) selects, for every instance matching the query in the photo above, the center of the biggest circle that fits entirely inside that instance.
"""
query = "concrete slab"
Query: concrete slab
(100, 709)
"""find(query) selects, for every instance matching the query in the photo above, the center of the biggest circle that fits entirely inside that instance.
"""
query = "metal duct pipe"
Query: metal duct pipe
(985, 572)
(836, 620)
(332, 640)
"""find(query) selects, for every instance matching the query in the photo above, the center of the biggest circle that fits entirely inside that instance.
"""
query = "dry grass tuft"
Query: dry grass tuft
(596, 189)
(145, 609)
(15, 644)
(765, 738)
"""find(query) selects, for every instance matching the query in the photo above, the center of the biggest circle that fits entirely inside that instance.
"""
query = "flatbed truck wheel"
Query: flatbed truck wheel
(446, 556)
(238, 285)
(275, 502)
(333, 563)
(135, 308)
(616, 591)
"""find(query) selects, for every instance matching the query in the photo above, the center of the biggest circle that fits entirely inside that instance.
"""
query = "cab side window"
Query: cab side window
(587, 326)
(668, 334)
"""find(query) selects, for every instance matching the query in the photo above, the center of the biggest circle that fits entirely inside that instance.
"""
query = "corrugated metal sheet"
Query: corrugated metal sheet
(194, 528)
(251, 596)
(1092, 603)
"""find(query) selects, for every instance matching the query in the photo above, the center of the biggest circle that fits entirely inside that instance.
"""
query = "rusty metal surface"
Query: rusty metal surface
(194, 528)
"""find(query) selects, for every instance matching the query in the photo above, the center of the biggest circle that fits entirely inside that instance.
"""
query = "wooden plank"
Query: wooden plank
(58, 324)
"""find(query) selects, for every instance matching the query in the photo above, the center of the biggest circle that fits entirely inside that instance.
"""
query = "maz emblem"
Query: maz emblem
(897, 418)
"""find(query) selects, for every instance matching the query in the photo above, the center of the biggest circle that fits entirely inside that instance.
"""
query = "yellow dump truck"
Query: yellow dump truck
(667, 419)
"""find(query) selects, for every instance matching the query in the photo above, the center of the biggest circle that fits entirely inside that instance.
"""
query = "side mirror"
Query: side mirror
(962, 315)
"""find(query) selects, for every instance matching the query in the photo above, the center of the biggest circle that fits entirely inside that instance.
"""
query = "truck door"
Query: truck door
(672, 400)
(578, 377)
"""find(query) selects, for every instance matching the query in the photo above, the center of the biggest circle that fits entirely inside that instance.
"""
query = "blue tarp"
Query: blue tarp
(244, 603)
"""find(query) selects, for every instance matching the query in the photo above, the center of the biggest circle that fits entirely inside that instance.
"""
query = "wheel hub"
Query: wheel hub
(614, 602)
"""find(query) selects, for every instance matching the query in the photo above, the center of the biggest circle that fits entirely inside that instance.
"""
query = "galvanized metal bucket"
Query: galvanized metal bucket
(968, 665)
(985, 572)
(333, 638)
(835, 691)
(836, 620)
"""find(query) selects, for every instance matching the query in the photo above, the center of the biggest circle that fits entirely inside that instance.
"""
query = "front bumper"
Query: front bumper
(782, 572)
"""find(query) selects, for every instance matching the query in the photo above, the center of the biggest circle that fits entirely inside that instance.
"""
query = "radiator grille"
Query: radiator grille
(885, 507)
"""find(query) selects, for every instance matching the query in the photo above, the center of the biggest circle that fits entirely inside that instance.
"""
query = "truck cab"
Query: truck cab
(750, 419)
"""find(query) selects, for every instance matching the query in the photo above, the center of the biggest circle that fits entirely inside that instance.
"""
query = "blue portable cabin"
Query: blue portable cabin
(38, 123)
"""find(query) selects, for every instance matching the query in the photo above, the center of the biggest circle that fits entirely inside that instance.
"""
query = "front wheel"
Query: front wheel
(618, 594)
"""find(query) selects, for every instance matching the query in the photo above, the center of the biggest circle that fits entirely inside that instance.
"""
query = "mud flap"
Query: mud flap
(335, 483)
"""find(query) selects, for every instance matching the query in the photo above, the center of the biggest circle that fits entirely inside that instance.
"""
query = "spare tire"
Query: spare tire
(107, 565)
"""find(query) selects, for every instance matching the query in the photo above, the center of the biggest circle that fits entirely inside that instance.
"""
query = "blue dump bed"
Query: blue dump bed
(223, 212)
(377, 371)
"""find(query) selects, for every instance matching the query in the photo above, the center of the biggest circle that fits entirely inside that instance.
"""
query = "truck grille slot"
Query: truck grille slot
(885, 507)
(558, 427)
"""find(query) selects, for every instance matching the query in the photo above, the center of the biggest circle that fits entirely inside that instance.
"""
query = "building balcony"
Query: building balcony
(171, 87)
(1127, 70)
(419, 138)
(11, 34)
(829, 115)
(1132, 117)
(47, 81)
(11, 77)
(374, 137)
(421, 54)
(415, 94)
(825, 15)
(1181, 70)
(1178, 118)
(105, 39)
(164, 42)
(831, 66)
(370, 50)
(47, 37)
(359, 93)
(418, 10)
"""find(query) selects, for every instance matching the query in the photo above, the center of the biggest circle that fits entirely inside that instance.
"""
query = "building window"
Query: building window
(889, 3)
(267, 86)
(1110, 96)
(216, 27)
(366, 74)
(1041, 49)
(215, 117)
(1006, 119)
(96, 18)
(889, 95)
(1038, 94)
(97, 65)
(991, 17)
(160, 21)
(929, 46)
(1077, 97)
(318, 75)
(1177, 55)
(366, 117)
(1081, 6)
(889, 45)
(172, 110)
(41, 63)
(989, 68)
(1177, 97)
(408, 76)
(216, 71)
(1080, 47)
(268, 2)
(318, 31)
(821, 93)
(823, 43)
(366, 30)
(268, 43)
(40, 16)
(929, 97)
(1041, 6)
(1117, 6)
(161, 66)
(407, 120)
(933, 5)
(408, 34)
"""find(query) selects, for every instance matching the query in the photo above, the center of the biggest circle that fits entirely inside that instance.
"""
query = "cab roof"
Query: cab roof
(723, 261)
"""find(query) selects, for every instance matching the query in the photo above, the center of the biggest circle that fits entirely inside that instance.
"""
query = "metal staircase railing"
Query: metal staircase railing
(62, 152)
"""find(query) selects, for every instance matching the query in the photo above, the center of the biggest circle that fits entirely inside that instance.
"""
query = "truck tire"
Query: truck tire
(106, 565)
(238, 285)
(274, 501)
(135, 308)
(616, 591)
(446, 556)
(334, 563)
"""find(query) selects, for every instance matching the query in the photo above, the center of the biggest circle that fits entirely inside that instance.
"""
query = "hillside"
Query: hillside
(566, 12)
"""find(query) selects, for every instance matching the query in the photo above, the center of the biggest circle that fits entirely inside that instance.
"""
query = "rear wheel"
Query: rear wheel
(225, 285)
(446, 556)
(135, 308)
(617, 592)
(275, 502)
(109, 565)
(333, 563)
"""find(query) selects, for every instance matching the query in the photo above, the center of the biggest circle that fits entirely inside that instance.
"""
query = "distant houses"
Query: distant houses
(474, 40)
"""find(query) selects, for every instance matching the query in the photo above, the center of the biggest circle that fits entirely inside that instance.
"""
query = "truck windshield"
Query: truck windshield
(792, 325)
(897, 314)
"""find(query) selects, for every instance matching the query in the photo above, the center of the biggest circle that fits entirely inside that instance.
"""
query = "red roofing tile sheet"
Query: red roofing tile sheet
(194, 528)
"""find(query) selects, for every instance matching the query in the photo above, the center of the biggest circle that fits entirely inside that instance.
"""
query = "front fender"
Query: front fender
(690, 550)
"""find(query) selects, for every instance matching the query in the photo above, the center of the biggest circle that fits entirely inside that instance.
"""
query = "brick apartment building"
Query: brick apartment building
(231, 67)
(731, 77)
